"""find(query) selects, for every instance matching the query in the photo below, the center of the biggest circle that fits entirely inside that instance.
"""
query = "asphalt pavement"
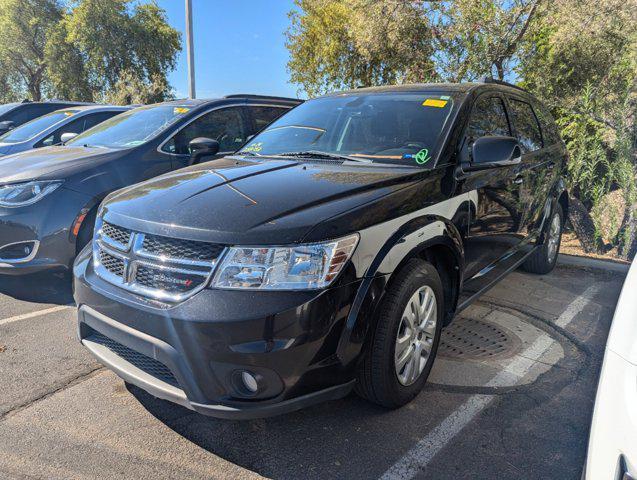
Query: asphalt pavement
(510, 396)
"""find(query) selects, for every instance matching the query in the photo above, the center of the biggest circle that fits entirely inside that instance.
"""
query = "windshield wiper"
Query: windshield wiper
(319, 154)
(247, 154)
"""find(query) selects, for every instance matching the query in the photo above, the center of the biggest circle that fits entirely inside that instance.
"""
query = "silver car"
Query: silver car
(56, 127)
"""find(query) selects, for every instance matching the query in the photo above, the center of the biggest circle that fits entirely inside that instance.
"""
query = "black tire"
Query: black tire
(539, 261)
(377, 376)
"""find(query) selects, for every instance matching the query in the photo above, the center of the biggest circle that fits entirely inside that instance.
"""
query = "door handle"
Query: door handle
(518, 180)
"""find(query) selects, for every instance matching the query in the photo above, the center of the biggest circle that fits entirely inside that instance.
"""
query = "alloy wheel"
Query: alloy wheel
(415, 336)
(553, 239)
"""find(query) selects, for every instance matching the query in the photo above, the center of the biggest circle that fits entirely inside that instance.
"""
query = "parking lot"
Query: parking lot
(510, 396)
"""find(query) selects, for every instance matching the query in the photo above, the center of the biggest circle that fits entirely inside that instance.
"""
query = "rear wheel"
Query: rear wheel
(544, 258)
(403, 345)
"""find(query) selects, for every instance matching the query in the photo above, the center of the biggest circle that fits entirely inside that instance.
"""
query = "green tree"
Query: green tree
(581, 59)
(24, 27)
(130, 89)
(349, 43)
(81, 49)
(105, 39)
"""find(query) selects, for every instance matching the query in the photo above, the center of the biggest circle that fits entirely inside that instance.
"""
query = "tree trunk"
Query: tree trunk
(628, 234)
(583, 225)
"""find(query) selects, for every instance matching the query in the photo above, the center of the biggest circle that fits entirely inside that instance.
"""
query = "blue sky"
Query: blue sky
(239, 47)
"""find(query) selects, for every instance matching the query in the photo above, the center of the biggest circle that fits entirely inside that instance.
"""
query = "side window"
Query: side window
(224, 125)
(75, 126)
(93, 119)
(526, 125)
(488, 118)
(550, 129)
(264, 116)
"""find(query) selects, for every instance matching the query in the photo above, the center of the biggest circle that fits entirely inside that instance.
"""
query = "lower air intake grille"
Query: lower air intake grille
(139, 360)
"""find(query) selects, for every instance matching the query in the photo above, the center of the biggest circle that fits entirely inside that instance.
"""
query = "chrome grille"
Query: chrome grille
(155, 266)
(112, 263)
(118, 236)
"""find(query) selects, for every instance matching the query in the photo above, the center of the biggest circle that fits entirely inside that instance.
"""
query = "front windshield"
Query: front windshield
(32, 128)
(399, 128)
(132, 128)
(7, 106)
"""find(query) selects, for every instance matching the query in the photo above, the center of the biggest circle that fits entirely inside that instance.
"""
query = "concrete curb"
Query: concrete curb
(595, 263)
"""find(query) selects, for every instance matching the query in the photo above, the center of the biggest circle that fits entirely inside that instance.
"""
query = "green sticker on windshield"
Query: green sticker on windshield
(255, 147)
(422, 157)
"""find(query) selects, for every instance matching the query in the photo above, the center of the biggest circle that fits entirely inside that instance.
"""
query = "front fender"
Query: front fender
(412, 237)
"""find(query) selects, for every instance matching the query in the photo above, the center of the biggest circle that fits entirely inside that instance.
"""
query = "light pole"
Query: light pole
(190, 50)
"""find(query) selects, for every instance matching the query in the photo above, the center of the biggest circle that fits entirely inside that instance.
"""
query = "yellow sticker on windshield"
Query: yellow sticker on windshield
(432, 102)
(179, 110)
(68, 114)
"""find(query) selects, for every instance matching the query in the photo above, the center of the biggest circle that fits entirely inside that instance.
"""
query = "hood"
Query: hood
(250, 202)
(50, 163)
(7, 148)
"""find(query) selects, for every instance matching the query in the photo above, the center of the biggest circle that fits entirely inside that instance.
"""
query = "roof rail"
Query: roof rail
(266, 97)
(500, 82)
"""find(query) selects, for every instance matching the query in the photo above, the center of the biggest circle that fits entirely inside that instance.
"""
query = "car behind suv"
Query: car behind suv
(49, 196)
(15, 114)
(328, 253)
(56, 127)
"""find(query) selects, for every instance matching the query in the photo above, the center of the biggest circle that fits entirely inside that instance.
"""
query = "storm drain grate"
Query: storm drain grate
(475, 339)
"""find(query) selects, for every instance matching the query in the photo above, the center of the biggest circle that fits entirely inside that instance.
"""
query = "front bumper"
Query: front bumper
(612, 449)
(48, 224)
(190, 353)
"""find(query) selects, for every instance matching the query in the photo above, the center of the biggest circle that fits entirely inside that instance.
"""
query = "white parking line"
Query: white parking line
(426, 449)
(577, 306)
(39, 313)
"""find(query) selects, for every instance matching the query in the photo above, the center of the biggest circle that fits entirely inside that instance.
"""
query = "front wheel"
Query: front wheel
(544, 258)
(403, 345)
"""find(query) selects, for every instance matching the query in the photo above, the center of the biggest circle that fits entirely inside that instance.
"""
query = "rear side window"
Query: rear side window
(224, 125)
(526, 125)
(488, 119)
(550, 130)
(264, 116)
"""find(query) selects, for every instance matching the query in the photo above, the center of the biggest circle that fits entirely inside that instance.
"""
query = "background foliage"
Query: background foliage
(88, 50)
(578, 56)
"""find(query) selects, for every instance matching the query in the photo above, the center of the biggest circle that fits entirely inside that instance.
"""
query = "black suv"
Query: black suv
(15, 114)
(328, 253)
(49, 196)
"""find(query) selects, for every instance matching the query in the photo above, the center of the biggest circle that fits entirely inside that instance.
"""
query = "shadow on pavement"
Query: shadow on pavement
(49, 288)
(336, 439)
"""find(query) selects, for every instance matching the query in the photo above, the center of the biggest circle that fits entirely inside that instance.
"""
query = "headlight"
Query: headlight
(302, 267)
(22, 194)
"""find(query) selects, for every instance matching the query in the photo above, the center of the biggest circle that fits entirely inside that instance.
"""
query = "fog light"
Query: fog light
(249, 382)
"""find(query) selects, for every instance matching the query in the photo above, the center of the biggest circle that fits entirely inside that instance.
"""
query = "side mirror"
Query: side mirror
(494, 152)
(6, 126)
(67, 136)
(202, 147)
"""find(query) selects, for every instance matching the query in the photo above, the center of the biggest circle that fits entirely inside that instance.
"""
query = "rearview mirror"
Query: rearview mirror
(494, 152)
(202, 147)
(6, 126)
(67, 136)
